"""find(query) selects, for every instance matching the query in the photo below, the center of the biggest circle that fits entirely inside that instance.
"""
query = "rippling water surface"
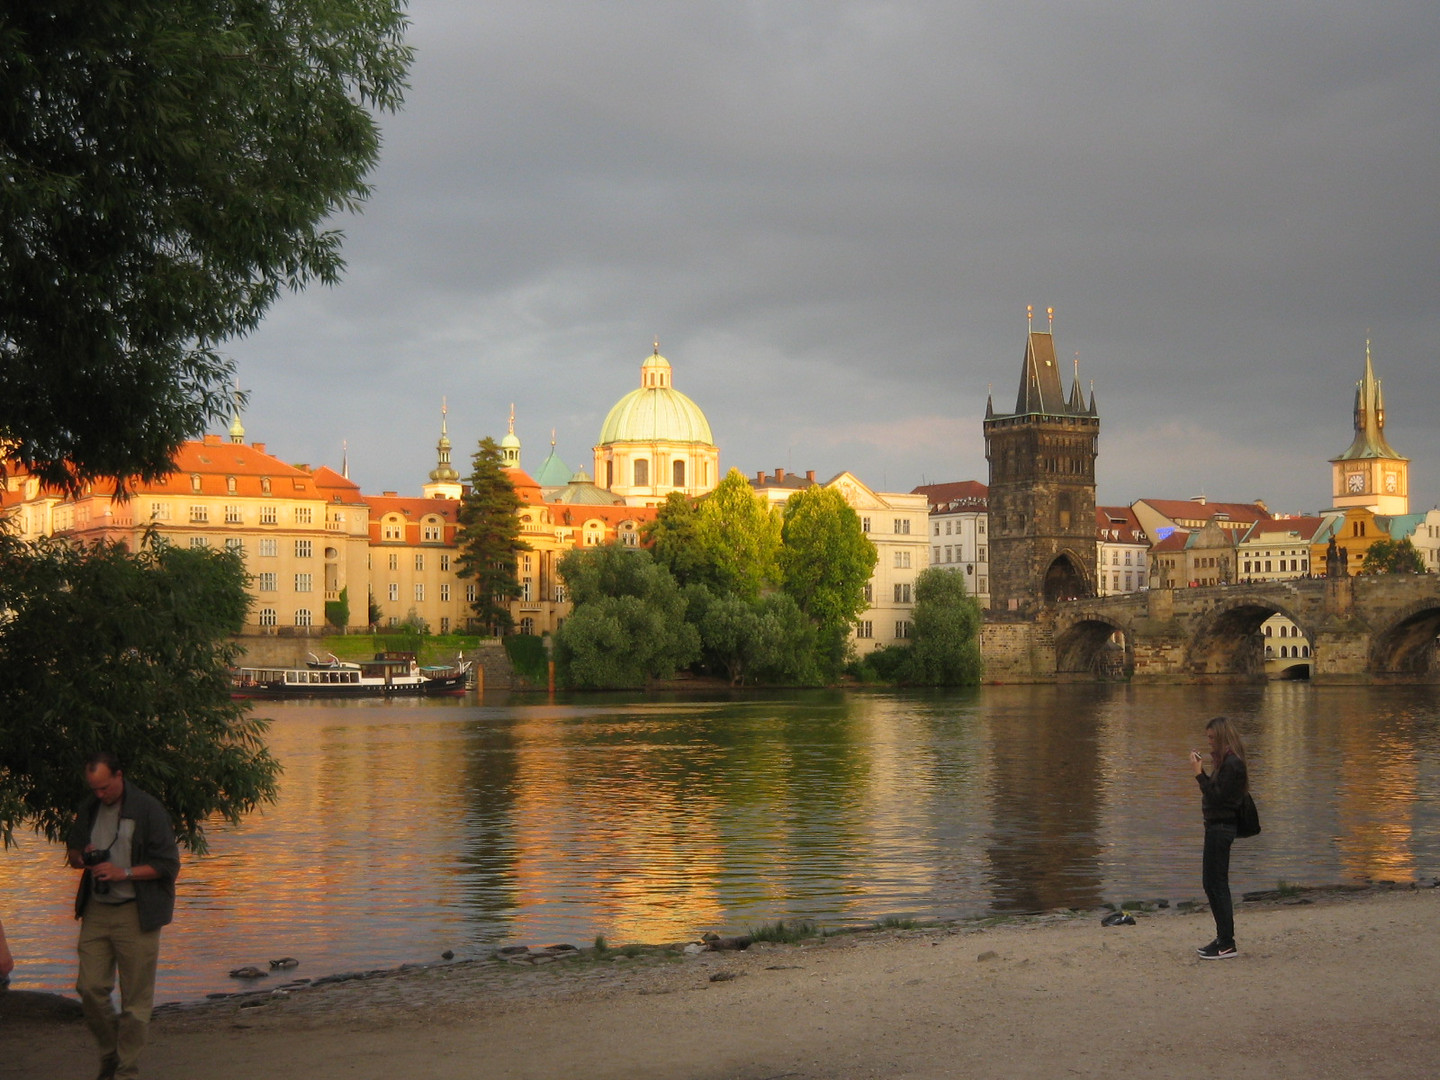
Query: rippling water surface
(406, 829)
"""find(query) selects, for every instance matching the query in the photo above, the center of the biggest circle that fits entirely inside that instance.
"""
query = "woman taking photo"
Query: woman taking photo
(1221, 791)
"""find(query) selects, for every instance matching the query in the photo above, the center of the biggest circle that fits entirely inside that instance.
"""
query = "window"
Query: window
(267, 582)
(445, 591)
(980, 526)
(1268, 628)
(642, 472)
(235, 544)
(199, 542)
(1114, 558)
(1127, 558)
(937, 528)
(869, 593)
(304, 549)
(432, 529)
(444, 624)
(527, 625)
(233, 516)
(677, 473)
(472, 593)
(302, 617)
(1129, 583)
(902, 593)
(865, 524)
(984, 586)
(981, 555)
(935, 554)
(302, 583)
(268, 616)
(444, 562)
(902, 526)
(864, 629)
(1114, 582)
(159, 511)
(303, 516)
(525, 587)
(902, 560)
(268, 515)
(194, 481)
(419, 562)
(419, 592)
(947, 528)
(393, 528)
(229, 485)
(267, 547)
(199, 514)
(902, 628)
(394, 590)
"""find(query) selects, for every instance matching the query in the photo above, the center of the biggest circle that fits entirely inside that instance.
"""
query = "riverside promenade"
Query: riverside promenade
(1328, 983)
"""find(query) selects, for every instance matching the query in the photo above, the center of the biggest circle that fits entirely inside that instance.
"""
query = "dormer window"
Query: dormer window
(264, 485)
(230, 485)
(194, 481)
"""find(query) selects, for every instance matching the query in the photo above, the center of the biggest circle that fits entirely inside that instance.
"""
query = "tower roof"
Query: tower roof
(1369, 419)
(1042, 391)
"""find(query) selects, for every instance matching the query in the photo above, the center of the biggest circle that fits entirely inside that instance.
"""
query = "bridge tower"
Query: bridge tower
(1042, 488)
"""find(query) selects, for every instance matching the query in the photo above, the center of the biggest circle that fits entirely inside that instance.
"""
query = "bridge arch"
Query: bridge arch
(1227, 639)
(1406, 644)
(1094, 644)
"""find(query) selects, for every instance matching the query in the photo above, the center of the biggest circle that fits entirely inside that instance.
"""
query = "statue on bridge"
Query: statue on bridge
(1337, 560)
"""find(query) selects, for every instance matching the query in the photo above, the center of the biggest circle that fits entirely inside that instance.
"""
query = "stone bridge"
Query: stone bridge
(1378, 628)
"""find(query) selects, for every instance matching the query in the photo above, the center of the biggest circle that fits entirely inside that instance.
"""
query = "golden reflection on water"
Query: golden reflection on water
(404, 830)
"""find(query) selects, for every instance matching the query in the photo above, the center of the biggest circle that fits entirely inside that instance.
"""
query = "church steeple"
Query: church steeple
(510, 445)
(237, 429)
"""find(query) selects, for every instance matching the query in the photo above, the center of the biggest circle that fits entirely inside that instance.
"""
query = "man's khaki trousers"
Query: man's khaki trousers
(111, 942)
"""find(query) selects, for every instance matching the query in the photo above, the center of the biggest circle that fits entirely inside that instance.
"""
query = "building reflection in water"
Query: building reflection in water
(404, 830)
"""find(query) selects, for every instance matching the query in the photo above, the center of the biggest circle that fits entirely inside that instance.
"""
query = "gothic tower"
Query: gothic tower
(1370, 474)
(1042, 488)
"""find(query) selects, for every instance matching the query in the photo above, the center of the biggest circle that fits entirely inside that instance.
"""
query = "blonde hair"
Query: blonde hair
(1227, 739)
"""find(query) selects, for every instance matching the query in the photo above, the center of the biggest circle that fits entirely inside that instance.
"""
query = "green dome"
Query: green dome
(656, 412)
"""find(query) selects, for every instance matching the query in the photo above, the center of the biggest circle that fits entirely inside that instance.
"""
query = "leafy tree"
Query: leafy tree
(489, 537)
(826, 561)
(945, 648)
(1392, 557)
(674, 538)
(767, 640)
(170, 166)
(628, 624)
(739, 539)
(104, 648)
(337, 611)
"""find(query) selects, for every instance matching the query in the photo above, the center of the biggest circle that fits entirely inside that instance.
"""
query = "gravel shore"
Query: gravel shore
(1328, 983)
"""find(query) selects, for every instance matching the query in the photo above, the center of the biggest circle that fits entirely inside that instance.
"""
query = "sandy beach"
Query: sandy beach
(1327, 984)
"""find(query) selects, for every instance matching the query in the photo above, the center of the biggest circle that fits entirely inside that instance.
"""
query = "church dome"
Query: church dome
(656, 412)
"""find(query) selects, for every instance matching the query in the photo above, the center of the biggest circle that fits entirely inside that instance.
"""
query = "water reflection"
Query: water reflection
(406, 829)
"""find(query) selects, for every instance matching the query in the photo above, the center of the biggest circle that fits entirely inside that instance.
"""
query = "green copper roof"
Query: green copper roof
(656, 412)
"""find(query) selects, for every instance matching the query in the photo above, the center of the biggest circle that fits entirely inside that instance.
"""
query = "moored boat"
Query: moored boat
(388, 674)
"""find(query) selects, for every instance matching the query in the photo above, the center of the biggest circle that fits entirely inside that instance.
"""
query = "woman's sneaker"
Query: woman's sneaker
(1216, 951)
(1202, 948)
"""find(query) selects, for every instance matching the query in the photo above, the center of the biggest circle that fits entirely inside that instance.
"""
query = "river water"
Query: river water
(405, 829)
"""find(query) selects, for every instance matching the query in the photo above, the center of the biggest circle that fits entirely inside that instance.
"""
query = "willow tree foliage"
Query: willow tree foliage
(628, 624)
(169, 167)
(489, 537)
(945, 646)
(104, 648)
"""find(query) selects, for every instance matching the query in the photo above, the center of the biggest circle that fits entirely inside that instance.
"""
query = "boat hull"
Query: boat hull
(426, 688)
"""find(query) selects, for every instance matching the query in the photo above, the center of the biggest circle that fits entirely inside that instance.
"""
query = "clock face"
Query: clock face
(1390, 483)
(1355, 481)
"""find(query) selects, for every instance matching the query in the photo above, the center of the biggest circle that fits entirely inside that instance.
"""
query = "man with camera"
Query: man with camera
(123, 841)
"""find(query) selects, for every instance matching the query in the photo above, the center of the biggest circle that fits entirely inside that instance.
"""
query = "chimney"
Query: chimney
(212, 440)
(779, 475)
(259, 447)
(760, 477)
(810, 475)
(388, 494)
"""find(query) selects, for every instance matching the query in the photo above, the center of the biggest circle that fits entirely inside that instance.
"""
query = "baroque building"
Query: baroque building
(1042, 488)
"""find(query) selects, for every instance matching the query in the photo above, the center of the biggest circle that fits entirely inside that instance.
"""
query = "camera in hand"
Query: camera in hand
(94, 857)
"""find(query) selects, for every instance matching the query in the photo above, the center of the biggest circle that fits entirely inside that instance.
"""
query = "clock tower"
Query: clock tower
(1370, 474)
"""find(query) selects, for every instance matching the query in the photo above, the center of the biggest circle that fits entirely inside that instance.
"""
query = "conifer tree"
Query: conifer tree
(489, 538)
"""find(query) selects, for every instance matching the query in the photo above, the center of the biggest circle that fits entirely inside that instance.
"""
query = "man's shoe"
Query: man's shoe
(1216, 951)
(108, 1064)
(1202, 948)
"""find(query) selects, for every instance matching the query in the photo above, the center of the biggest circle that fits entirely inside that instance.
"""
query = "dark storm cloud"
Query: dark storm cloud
(833, 215)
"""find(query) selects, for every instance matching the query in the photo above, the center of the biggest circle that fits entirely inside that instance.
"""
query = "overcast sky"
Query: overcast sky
(833, 215)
